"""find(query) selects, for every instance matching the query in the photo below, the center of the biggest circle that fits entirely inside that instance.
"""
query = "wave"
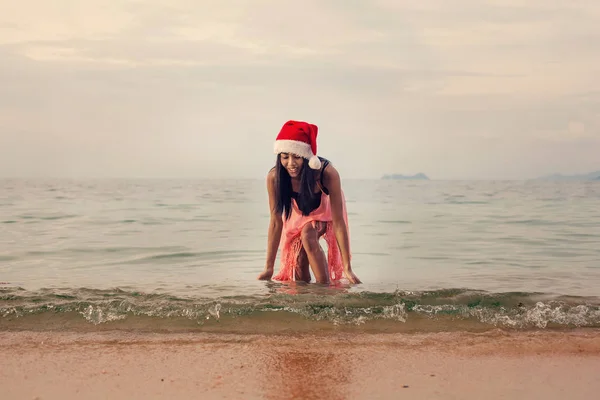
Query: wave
(286, 307)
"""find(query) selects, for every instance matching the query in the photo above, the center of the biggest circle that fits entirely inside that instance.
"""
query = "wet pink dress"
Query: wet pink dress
(291, 242)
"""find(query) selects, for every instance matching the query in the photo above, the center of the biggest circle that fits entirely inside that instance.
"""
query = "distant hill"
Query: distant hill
(416, 177)
(582, 177)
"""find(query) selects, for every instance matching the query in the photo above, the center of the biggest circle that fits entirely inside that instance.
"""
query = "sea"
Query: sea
(184, 255)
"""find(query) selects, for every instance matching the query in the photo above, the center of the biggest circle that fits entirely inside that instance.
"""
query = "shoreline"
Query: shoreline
(443, 365)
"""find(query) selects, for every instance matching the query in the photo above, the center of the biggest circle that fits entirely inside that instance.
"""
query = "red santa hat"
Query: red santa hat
(299, 138)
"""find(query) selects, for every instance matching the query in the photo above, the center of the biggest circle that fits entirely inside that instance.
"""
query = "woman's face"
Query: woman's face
(292, 163)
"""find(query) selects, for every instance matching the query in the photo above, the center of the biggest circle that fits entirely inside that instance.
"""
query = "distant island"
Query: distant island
(592, 176)
(416, 177)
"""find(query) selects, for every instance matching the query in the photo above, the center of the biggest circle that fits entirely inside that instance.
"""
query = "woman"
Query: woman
(306, 202)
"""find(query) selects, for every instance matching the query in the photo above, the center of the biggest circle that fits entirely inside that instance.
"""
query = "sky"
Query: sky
(462, 89)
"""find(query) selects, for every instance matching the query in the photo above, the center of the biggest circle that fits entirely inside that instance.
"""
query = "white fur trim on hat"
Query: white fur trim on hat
(298, 148)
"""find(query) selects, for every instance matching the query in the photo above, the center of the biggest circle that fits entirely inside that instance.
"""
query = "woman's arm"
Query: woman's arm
(333, 183)
(275, 227)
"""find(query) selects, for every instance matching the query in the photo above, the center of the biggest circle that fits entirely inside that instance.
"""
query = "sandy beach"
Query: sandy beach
(122, 365)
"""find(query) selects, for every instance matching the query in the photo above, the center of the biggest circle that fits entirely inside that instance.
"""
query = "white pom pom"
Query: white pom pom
(314, 162)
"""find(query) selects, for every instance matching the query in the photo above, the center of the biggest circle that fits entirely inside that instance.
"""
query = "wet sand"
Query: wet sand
(121, 365)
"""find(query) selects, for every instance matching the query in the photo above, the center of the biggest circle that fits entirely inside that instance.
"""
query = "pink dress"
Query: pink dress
(291, 242)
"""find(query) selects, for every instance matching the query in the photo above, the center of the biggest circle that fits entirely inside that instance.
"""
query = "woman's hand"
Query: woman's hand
(266, 274)
(350, 275)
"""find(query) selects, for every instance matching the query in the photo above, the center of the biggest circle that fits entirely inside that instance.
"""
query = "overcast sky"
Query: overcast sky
(461, 89)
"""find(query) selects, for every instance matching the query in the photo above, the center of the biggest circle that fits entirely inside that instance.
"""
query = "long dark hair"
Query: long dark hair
(306, 196)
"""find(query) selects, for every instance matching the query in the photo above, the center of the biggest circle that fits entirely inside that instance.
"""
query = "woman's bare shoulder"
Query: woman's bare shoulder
(330, 172)
(271, 175)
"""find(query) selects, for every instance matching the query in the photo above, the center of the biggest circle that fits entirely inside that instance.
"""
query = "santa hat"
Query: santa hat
(299, 138)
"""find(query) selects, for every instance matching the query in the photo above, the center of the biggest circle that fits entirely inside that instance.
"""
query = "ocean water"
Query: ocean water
(184, 254)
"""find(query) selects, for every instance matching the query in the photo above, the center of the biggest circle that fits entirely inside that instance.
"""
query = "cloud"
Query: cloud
(173, 88)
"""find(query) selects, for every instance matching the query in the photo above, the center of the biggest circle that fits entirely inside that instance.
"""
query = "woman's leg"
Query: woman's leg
(312, 248)
(303, 270)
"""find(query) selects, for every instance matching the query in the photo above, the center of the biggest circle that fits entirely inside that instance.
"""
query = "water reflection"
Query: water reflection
(294, 288)
(306, 374)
